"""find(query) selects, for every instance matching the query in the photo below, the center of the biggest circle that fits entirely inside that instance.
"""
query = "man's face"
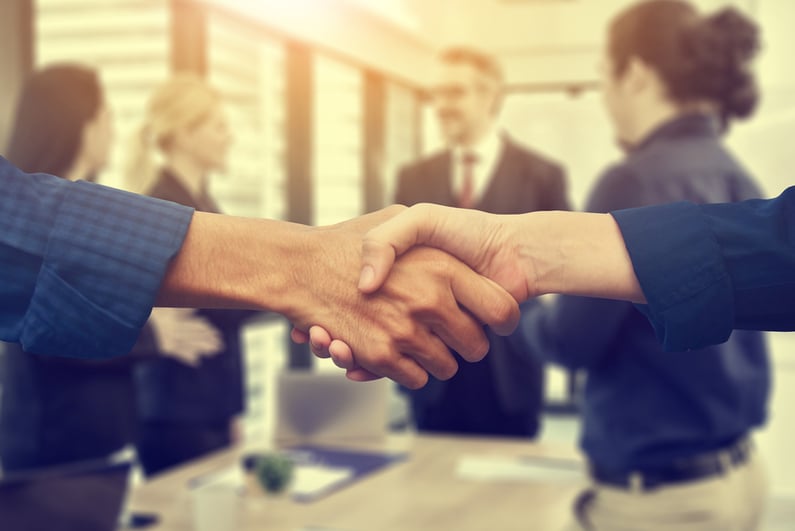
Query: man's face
(465, 101)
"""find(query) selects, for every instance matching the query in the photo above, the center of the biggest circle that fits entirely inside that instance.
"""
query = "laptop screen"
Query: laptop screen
(85, 496)
(325, 406)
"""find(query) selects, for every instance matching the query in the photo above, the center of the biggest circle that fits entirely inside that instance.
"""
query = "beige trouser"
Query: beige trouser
(733, 501)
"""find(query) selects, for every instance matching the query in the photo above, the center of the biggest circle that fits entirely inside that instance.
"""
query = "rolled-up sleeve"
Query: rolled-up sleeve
(82, 263)
(708, 269)
(681, 272)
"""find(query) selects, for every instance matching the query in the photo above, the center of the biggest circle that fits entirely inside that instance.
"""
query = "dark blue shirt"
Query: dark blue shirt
(708, 269)
(81, 264)
(643, 406)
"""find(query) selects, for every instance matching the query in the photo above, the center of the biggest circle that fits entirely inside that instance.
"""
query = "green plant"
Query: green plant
(274, 472)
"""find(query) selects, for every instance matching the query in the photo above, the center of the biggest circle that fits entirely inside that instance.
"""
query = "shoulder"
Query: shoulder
(619, 186)
(167, 187)
(533, 161)
(426, 163)
(419, 171)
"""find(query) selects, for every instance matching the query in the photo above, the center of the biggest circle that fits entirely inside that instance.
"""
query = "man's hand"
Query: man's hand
(310, 276)
(528, 255)
(431, 301)
(490, 244)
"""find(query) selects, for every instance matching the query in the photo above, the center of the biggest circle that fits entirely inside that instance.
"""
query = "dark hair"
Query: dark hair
(54, 106)
(698, 57)
(484, 63)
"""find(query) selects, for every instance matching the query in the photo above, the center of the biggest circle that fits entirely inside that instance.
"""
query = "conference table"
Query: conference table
(429, 490)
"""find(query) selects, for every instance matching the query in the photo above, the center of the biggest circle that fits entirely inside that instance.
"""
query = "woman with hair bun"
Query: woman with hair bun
(186, 411)
(668, 435)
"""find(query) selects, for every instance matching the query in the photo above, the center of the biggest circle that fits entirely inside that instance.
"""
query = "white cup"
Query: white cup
(216, 507)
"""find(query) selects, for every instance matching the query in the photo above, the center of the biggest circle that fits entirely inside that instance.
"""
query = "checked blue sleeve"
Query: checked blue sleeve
(80, 263)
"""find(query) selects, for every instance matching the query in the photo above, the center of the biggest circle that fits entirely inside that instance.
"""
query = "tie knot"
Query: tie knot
(469, 158)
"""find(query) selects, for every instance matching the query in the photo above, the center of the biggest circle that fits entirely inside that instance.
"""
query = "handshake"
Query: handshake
(390, 293)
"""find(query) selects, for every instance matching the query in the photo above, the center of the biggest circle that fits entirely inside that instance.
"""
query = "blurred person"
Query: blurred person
(667, 435)
(53, 410)
(481, 167)
(668, 440)
(187, 411)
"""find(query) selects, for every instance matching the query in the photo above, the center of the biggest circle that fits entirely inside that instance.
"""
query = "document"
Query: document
(521, 469)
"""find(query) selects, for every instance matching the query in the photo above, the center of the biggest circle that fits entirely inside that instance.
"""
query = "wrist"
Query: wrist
(577, 253)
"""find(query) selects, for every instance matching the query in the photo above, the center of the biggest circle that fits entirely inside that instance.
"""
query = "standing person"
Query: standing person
(668, 436)
(59, 410)
(186, 411)
(481, 168)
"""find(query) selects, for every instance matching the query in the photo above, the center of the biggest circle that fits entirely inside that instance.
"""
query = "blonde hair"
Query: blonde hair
(181, 103)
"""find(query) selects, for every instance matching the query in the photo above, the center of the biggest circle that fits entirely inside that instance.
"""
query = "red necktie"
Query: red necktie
(466, 198)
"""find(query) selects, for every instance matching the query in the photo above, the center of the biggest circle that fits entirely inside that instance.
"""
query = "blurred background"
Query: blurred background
(328, 98)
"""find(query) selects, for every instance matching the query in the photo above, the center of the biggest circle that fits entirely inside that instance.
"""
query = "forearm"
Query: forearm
(229, 262)
(575, 254)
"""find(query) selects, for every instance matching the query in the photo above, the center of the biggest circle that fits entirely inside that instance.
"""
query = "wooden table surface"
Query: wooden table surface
(422, 493)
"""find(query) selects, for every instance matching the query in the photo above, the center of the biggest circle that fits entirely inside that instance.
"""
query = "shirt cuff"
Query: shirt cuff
(682, 273)
(105, 260)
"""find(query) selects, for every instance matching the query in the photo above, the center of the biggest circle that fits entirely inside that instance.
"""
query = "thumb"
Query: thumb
(377, 260)
(384, 243)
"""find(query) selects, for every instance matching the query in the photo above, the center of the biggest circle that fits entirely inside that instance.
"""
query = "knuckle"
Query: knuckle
(404, 331)
(382, 361)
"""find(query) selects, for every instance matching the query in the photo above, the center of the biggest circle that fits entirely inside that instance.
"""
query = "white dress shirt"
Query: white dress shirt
(488, 152)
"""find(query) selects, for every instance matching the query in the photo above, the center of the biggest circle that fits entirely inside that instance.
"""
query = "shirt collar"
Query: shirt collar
(694, 124)
(486, 150)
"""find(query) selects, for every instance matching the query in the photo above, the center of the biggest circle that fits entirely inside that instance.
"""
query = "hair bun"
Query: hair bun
(723, 46)
(739, 33)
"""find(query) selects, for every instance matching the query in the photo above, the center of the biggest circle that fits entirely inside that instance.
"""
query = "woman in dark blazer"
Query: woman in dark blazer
(186, 411)
(58, 410)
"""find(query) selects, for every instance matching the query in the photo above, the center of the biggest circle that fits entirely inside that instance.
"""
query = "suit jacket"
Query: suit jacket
(168, 390)
(59, 410)
(523, 181)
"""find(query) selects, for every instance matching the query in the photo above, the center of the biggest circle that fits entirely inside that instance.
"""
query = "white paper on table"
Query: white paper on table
(521, 469)
(312, 480)
(308, 480)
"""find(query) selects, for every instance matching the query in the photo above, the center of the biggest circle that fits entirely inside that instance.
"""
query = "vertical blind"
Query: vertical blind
(127, 41)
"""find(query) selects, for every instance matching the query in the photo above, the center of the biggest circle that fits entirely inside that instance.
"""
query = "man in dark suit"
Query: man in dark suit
(484, 169)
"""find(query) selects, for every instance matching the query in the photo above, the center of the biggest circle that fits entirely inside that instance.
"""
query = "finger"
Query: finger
(381, 245)
(462, 333)
(395, 366)
(299, 336)
(486, 300)
(377, 260)
(361, 375)
(342, 355)
(319, 341)
(431, 354)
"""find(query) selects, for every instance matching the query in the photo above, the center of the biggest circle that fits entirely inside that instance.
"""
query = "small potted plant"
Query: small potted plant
(273, 472)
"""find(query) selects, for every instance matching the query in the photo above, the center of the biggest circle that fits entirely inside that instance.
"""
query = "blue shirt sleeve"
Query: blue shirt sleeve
(708, 269)
(81, 263)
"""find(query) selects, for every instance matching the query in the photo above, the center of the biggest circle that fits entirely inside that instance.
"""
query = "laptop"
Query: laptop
(327, 407)
(82, 496)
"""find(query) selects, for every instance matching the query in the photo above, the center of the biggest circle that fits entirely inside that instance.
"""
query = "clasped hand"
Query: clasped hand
(414, 303)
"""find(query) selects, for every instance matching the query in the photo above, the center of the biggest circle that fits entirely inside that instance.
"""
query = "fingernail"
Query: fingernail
(367, 277)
